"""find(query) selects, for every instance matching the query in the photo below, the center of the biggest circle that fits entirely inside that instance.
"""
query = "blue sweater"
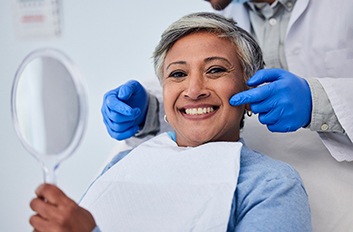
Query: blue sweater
(270, 196)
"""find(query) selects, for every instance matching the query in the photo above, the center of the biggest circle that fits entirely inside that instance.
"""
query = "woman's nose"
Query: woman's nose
(196, 87)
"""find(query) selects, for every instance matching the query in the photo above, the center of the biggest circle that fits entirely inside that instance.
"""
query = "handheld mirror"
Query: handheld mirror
(48, 108)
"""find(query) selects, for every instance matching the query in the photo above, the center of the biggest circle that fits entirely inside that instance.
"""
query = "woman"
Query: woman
(201, 61)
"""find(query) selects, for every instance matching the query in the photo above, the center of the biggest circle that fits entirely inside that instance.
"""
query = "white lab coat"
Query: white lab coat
(319, 44)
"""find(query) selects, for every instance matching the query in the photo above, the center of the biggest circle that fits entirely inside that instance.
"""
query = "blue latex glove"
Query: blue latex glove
(124, 109)
(283, 100)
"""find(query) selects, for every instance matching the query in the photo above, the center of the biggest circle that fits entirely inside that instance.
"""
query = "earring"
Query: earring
(165, 118)
(249, 113)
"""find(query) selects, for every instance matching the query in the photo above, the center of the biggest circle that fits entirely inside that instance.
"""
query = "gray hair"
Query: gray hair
(248, 50)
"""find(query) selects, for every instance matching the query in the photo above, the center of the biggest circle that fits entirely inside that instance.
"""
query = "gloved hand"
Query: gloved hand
(283, 102)
(124, 109)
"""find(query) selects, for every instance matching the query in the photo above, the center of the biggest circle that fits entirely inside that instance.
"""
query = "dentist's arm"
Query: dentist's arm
(282, 100)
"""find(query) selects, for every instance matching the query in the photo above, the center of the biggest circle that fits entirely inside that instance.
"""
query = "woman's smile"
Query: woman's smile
(205, 110)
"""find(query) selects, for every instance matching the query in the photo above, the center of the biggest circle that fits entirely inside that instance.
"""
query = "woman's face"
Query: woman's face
(200, 73)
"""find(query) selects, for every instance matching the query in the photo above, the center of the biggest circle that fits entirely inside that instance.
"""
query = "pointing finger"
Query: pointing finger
(251, 96)
(264, 76)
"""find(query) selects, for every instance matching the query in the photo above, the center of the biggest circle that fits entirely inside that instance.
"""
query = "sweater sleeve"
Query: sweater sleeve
(279, 204)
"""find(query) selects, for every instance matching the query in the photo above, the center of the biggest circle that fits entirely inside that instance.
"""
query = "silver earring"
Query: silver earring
(165, 118)
(249, 113)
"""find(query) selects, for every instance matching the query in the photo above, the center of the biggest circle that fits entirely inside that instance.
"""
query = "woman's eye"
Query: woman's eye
(216, 70)
(177, 74)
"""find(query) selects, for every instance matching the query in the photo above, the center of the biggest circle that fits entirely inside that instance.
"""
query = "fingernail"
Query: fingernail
(121, 93)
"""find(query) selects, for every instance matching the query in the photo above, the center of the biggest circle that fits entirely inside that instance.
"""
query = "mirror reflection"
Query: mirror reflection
(48, 106)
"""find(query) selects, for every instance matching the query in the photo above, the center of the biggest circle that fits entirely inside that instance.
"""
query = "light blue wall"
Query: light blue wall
(110, 42)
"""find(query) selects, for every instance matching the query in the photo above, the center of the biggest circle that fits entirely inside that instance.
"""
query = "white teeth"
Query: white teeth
(198, 111)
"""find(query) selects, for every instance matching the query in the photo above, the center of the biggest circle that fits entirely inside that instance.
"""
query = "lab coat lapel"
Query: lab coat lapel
(299, 8)
(239, 13)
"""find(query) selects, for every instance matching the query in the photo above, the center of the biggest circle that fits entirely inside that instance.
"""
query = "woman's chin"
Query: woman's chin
(194, 139)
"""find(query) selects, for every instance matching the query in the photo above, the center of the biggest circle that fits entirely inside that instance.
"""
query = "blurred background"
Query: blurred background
(110, 42)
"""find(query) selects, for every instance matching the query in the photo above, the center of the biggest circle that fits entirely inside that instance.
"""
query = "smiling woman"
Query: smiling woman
(197, 86)
(201, 176)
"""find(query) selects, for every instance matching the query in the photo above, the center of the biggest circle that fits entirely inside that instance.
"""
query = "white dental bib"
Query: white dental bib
(159, 186)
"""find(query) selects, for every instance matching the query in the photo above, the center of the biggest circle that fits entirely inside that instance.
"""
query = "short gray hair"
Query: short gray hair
(248, 50)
